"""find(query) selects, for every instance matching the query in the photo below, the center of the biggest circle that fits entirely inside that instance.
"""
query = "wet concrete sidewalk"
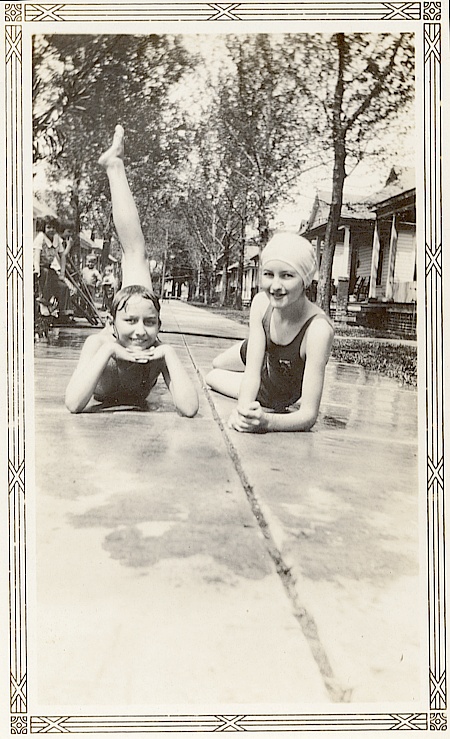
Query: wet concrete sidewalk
(179, 562)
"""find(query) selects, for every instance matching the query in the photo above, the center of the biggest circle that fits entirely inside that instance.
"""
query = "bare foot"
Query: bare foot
(115, 151)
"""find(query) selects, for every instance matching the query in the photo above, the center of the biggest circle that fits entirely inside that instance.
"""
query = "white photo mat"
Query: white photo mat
(429, 22)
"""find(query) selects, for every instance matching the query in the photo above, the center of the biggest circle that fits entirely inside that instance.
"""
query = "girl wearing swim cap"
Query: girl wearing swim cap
(283, 361)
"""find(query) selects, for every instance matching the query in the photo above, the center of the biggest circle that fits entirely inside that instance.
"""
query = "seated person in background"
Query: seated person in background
(49, 264)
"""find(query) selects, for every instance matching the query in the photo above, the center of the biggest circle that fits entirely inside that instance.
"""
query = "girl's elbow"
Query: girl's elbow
(191, 409)
(310, 416)
(72, 408)
(72, 405)
(309, 423)
(190, 412)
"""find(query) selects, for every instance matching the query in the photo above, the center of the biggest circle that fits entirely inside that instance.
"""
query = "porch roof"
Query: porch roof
(398, 192)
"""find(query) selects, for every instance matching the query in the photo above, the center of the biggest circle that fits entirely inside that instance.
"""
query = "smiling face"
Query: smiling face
(137, 323)
(50, 231)
(281, 283)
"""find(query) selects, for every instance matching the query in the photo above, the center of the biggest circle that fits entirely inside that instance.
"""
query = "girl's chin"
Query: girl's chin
(129, 344)
(276, 300)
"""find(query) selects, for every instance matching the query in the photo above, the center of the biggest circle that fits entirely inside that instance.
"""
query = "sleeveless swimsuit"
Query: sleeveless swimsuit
(127, 382)
(283, 367)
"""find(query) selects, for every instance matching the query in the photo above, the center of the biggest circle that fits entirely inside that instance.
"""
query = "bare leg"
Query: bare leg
(230, 359)
(135, 268)
(225, 382)
(227, 374)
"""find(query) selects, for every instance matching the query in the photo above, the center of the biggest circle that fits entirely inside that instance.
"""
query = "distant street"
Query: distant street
(178, 562)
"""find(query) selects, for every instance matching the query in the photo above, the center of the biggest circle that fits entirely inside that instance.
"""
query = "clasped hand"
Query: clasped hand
(249, 419)
(136, 354)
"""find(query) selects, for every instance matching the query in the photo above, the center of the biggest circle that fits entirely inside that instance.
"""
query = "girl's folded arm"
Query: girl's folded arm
(183, 392)
(318, 348)
(251, 380)
(93, 359)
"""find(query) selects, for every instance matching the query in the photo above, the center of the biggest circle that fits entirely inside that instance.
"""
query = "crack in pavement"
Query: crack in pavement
(306, 621)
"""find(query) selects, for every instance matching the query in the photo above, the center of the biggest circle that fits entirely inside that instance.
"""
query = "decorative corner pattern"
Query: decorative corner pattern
(438, 721)
(19, 725)
(13, 13)
(432, 11)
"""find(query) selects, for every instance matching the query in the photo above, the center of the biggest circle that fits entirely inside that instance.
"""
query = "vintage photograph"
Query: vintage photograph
(224, 350)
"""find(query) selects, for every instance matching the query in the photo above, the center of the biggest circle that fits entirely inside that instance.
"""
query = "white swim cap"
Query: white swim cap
(293, 249)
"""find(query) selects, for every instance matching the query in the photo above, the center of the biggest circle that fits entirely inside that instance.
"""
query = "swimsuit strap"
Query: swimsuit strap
(299, 336)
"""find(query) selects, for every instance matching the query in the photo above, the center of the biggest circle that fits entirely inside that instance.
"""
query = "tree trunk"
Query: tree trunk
(324, 287)
(339, 135)
(240, 274)
(263, 229)
(225, 291)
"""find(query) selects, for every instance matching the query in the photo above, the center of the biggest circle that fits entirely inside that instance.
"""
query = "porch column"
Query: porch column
(346, 254)
(374, 263)
(391, 263)
(316, 244)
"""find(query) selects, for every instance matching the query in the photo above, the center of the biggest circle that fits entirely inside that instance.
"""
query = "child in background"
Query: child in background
(91, 276)
(49, 264)
(121, 363)
(288, 347)
(108, 288)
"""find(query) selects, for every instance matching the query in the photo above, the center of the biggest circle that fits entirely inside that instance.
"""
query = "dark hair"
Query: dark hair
(52, 222)
(122, 297)
(41, 223)
(67, 226)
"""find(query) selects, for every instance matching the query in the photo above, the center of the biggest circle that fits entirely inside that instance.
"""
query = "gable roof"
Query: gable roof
(399, 181)
(352, 208)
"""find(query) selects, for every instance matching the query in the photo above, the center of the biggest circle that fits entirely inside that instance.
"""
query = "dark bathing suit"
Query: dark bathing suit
(283, 368)
(127, 382)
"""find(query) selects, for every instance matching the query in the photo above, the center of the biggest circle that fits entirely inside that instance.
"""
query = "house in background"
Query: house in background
(250, 277)
(352, 256)
(374, 267)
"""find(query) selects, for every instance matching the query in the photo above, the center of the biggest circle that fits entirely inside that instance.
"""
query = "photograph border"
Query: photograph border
(427, 22)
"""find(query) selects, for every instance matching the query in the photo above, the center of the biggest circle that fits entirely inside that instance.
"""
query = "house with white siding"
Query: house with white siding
(375, 256)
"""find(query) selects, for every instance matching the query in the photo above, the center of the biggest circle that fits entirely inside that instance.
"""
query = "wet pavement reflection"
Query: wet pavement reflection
(140, 507)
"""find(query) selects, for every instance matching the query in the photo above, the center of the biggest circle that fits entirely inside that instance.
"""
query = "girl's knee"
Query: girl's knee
(217, 363)
(229, 360)
(215, 380)
(224, 382)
